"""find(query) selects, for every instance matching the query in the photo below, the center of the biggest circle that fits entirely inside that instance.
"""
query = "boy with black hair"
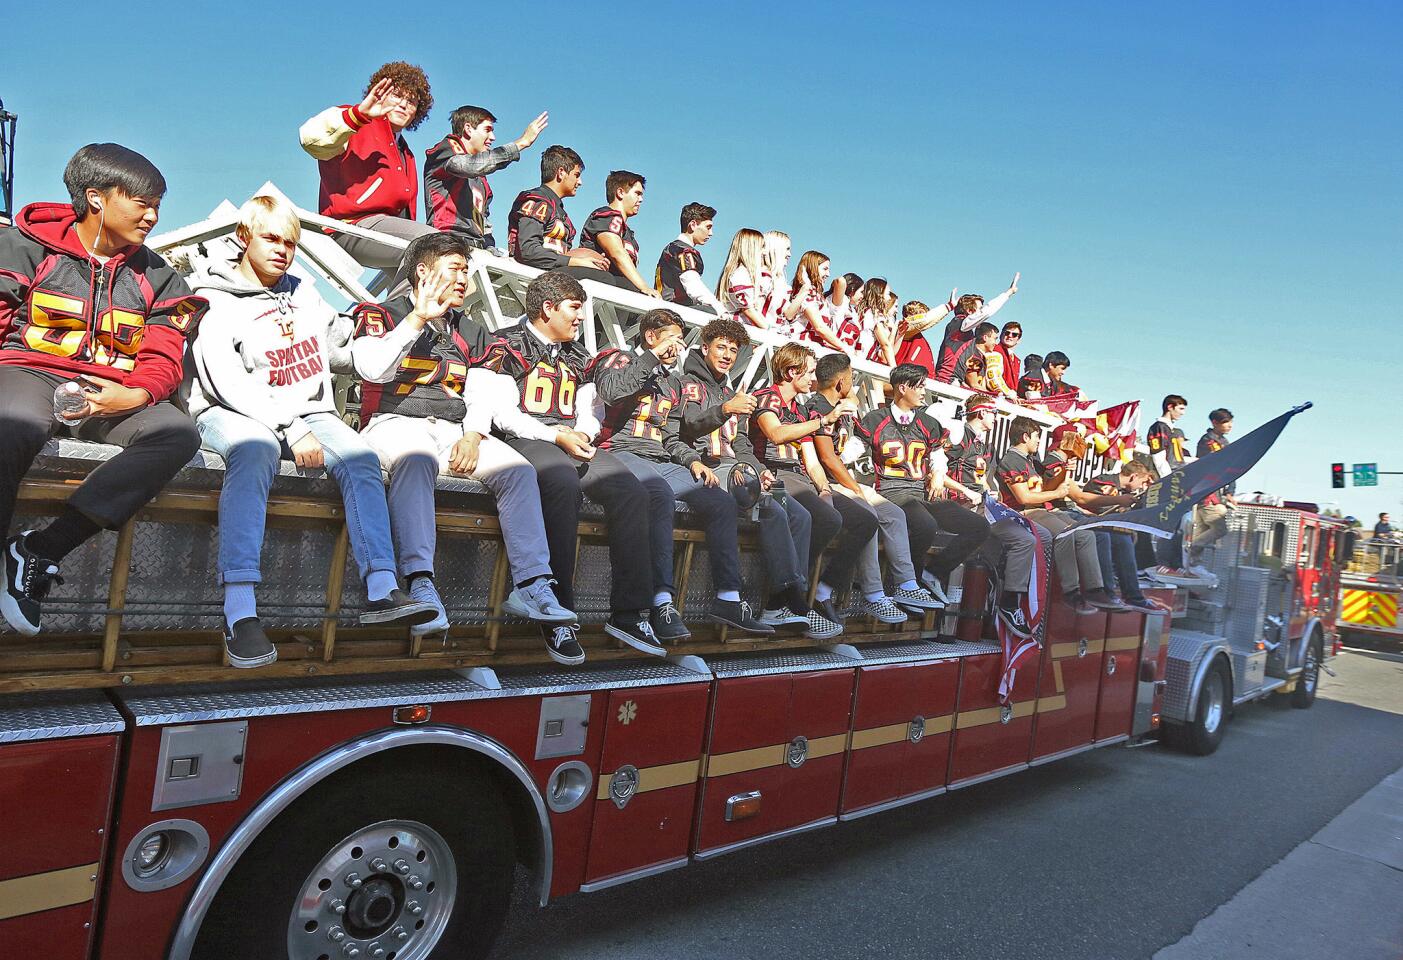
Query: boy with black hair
(679, 273)
(834, 374)
(456, 169)
(710, 420)
(1055, 366)
(969, 312)
(86, 307)
(1109, 493)
(1031, 385)
(427, 405)
(1168, 453)
(971, 364)
(540, 232)
(542, 355)
(781, 433)
(639, 392)
(968, 477)
(607, 231)
(1211, 516)
(901, 437)
(1021, 487)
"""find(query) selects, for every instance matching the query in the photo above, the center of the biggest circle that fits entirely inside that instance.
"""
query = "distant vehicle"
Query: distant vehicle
(1369, 592)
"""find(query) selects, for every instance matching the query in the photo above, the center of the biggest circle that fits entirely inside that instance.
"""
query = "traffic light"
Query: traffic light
(1337, 475)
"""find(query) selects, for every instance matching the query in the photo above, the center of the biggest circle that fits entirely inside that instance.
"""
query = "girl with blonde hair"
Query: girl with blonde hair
(779, 308)
(736, 287)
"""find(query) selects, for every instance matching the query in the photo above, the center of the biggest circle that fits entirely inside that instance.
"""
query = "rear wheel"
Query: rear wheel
(1303, 697)
(381, 862)
(1203, 735)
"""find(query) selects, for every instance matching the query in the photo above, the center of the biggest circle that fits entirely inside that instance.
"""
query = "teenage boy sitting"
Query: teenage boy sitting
(540, 232)
(971, 366)
(83, 301)
(710, 421)
(639, 392)
(456, 169)
(542, 355)
(427, 406)
(263, 360)
(968, 476)
(1110, 493)
(607, 231)
(834, 374)
(1021, 487)
(679, 274)
(781, 434)
(901, 437)
(970, 311)
(368, 176)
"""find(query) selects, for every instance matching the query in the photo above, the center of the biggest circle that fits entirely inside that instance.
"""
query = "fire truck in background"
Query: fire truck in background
(1370, 590)
(371, 794)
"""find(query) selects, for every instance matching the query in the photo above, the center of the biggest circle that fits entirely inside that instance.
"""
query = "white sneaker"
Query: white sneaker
(536, 601)
(883, 610)
(932, 583)
(1204, 574)
(422, 589)
(783, 617)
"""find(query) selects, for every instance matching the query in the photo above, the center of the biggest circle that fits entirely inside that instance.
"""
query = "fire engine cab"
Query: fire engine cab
(370, 794)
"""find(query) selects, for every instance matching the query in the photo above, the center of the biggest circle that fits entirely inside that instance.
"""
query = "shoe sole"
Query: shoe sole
(760, 629)
(814, 635)
(518, 609)
(783, 624)
(411, 614)
(563, 660)
(914, 605)
(13, 617)
(248, 663)
(428, 629)
(641, 646)
(881, 619)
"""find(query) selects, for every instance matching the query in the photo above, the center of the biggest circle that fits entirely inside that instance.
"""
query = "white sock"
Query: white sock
(730, 596)
(823, 591)
(239, 602)
(874, 597)
(661, 597)
(380, 584)
(906, 585)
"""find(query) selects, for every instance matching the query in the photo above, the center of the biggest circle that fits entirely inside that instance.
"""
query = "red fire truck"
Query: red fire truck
(370, 794)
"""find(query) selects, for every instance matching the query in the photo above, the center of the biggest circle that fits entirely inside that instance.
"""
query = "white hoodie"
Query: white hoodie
(266, 352)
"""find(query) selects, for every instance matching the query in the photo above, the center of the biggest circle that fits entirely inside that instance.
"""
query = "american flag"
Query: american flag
(1016, 649)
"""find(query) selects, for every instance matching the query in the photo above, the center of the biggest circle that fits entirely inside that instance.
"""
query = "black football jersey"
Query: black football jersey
(639, 397)
(676, 259)
(901, 452)
(609, 220)
(785, 456)
(548, 375)
(429, 381)
(552, 223)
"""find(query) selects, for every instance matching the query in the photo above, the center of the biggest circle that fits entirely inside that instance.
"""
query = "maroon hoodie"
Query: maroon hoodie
(63, 312)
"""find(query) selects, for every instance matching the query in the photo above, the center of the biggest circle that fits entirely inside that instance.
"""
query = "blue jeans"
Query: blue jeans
(1115, 549)
(251, 453)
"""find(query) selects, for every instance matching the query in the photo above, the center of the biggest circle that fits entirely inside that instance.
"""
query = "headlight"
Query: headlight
(152, 853)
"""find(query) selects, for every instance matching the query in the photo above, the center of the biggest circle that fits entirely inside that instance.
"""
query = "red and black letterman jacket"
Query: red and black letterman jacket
(61, 311)
(376, 173)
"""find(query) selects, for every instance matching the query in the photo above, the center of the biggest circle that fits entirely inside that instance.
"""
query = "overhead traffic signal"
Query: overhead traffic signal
(1337, 475)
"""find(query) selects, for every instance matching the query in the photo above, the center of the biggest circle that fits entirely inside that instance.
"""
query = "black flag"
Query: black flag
(1160, 509)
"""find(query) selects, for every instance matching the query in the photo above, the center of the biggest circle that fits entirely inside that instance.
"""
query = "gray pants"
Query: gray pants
(895, 543)
(1019, 548)
(377, 257)
(1210, 526)
(415, 450)
(1074, 556)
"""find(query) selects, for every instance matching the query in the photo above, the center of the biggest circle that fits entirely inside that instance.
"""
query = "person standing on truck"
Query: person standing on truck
(781, 433)
(710, 421)
(1168, 453)
(679, 273)
(542, 355)
(969, 312)
(368, 174)
(1211, 516)
(540, 232)
(902, 437)
(607, 231)
(834, 374)
(93, 328)
(640, 390)
(456, 169)
(428, 406)
(263, 361)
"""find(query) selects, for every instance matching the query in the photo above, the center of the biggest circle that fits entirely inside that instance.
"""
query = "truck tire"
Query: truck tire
(1303, 697)
(1205, 732)
(391, 863)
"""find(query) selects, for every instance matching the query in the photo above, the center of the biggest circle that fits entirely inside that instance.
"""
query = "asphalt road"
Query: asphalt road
(1111, 854)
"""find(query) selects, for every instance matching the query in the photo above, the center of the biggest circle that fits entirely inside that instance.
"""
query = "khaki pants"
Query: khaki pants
(1074, 556)
(1210, 526)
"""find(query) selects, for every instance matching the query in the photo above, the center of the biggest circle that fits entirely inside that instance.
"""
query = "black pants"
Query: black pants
(927, 518)
(627, 508)
(158, 441)
(844, 522)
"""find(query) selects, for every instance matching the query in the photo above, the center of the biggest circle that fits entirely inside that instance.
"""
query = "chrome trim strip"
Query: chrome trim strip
(1268, 685)
(657, 868)
(55, 715)
(891, 804)
(1063, 754)
(992, 775)
(1112, 741)
(281, 796)
(756, 841)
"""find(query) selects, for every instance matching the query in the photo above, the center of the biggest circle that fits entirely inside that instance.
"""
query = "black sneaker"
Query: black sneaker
(398, 609)
(1016, 622)
(247, 645)
(667, 624)
(635, 631)
(563, 645)
(28, 577)
(736, 613)
(826, 610)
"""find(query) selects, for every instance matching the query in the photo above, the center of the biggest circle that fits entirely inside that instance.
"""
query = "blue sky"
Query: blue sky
(1203, 199)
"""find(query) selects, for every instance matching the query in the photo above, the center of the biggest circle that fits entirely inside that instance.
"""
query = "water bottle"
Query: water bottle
(70, 398)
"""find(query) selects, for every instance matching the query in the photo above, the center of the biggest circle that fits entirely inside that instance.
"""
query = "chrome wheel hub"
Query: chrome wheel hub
(384, 893)
(1213, 698)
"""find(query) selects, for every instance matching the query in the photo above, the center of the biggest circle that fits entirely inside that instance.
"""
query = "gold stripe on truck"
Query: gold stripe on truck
(978, 718)
(1117, 644)
(47, 891)
(658, 778)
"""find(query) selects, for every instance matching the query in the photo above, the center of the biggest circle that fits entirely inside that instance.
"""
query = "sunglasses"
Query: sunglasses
(1013, 335)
